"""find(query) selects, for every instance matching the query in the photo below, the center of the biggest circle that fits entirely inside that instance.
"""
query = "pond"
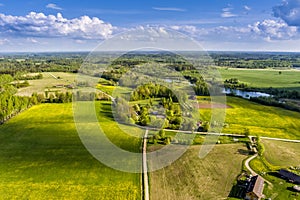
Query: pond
(245, 94)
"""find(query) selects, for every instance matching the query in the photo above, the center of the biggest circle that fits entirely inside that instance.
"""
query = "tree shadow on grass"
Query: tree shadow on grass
(243, 152)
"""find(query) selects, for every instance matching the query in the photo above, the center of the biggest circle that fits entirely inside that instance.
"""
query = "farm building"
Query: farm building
(290, 176)
(255, 188)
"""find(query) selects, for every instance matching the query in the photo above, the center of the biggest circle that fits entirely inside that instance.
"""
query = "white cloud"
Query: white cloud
(53, 6)
(226, 9)
(169, 9)
(247, 8)
(41, 25)
(226, 12)
(274, 29)
(31, 40)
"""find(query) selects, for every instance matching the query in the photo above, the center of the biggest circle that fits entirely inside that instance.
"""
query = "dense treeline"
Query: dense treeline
(20, 76)
(253, 64)
(254, 60)
(283, 93)
(269, 101)
(10, 104)
(43, 64)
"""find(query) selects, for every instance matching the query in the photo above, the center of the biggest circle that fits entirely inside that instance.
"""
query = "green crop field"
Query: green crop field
(264, 78)
(261, 120)
(42, 156)
(283, 154)
(193, 178)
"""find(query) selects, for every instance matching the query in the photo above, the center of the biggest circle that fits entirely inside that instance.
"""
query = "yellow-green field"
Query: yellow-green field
(193, 178)
(281, 153)
(42, 157)
(261, 120)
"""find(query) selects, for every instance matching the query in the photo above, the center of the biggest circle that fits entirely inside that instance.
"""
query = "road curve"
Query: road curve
(248, 166)
(253, 173)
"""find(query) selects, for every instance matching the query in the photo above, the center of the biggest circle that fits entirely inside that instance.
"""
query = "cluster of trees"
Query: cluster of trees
(57, 97)
(20, 76)
(145, 115)
(160, 138)
(234, 83)
(152, 90)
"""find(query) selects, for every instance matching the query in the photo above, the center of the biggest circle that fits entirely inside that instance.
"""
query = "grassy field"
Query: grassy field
(283, 154)
(261, 120)
(42, 156)
(193, 178)
(277, 155)
(48, 83)
(264, 78)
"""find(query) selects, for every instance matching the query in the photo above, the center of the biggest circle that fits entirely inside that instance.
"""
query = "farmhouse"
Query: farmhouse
(255, 188)
(290, 176)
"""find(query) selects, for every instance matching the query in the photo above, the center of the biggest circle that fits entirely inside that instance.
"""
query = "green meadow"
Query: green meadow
(265, 78)
(277, 155)
(42, 156)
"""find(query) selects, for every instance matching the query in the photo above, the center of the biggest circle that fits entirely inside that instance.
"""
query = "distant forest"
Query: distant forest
(71, 62)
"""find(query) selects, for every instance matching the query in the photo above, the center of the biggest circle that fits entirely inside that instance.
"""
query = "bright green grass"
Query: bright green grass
(41, 156)
(261, 120)
(264, 78)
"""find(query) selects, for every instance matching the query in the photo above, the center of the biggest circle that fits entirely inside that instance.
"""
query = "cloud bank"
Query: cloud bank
(41, 25)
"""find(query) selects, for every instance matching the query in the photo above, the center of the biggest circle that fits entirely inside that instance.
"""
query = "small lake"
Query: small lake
(245, 94)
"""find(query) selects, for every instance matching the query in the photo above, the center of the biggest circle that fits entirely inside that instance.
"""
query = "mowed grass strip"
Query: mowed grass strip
(193, 178)
(264, 78)
(261, 120)
(41, 156)
(281, 153)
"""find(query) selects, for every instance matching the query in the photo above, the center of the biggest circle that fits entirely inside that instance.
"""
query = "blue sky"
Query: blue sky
(248, 25)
